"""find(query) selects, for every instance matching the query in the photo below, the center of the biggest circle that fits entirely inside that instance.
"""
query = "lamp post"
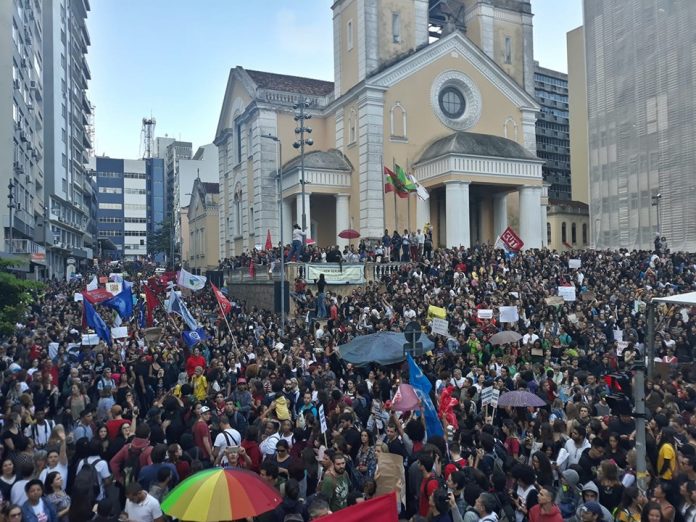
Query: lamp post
(300, 117)
(656, 203)
(11, 205)
(279, 185)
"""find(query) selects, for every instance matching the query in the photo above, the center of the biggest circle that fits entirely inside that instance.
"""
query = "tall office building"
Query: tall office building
(21, 134)
(640, 99)
(66, 136)
(552, 130)
(126, 190)
(176, 151)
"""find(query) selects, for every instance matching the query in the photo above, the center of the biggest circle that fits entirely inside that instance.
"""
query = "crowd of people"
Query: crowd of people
(98, 432)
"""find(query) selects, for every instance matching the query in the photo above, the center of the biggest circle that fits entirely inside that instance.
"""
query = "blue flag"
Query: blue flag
(193, 337)
(122, 302)
(422, 386)
(176, 306)
(141, 314)
(95, 321)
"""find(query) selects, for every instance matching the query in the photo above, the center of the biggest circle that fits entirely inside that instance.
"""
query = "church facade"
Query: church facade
(453, 109)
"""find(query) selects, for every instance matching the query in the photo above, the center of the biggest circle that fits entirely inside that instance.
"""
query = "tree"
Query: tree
(160, 241)
(15, 296)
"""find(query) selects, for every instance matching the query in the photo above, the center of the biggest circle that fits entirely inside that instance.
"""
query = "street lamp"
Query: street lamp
(300, 117)
(279, 185)
(656, 203)
(11, 205)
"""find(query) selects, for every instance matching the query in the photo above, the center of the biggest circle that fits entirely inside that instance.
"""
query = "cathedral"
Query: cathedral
(440, 88)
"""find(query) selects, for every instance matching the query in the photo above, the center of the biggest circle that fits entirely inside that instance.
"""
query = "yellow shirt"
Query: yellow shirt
(200, 387)
(667, 452)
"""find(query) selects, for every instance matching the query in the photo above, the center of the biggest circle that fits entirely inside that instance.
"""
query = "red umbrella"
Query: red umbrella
(349, 233)
(269, 243)
(309, 241)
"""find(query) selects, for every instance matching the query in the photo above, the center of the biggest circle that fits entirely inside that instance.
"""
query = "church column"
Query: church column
(342, 217)
(298, 213)
(485, 230)
(530, 216)
(457, 214)
(287, 221)
(500, 217)
(422, 212)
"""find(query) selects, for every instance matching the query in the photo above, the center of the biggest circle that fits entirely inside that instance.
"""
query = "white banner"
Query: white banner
(509, 314)
(567, 293)
(119, 332)
(440, 327)
(574, 263)
(114, 287)
(494, 398)
(77, 297)
(485, 313)
(90, 339)
(486, 395)
(322, 419)
(335, 274)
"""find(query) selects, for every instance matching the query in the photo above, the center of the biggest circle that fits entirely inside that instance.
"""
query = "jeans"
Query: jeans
(296, 250)
(321, 306)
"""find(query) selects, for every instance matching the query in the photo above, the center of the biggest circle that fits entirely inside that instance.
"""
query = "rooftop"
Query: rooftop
(474, 144)
(284, 82)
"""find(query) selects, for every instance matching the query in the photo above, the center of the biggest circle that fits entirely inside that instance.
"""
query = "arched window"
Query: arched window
(397, 117)
(238, 210)
(548, 233)
(564, 237)
(510, 128)
(573, 234)
(584, 233)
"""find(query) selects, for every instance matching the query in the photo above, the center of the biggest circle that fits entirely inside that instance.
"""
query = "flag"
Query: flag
(152, 301)
(511, 240)
(422, 386)
(188, 280)
(141, 314)
(404, 183)
(93, 284)
(405, 398)
(176, 306)
(95, 322)
(421, 191)
(382, 508)
(269, 243)
(97, 296)
(224, 303)
(193, 337)
(122, 302)
(391, 184)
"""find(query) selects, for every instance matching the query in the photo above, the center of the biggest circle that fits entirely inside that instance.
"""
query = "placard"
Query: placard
(119, 332)
(152, 335)
(486, 396)
(322, 419)
(574, 263)
(554, 300)
(52, 350)
(336, 274)
(567, 293)
(440, 327)
(494, 398)
(436, 311)
(114, 287)
(509, 314)
(485, 313)
(391, 470)
(90, 339)
(78, 297)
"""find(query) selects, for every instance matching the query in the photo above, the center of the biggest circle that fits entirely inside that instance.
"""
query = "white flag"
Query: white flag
(93, 284)
(421, 191)
(188, 280)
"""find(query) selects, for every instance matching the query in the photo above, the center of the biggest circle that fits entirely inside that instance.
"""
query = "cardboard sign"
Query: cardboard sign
(436, 311)
(555, 300)
(574, 263)
(52, 350)
(440, 327)
(587, 296)
(78, 297)
(114, 287)
(391, 470)
(90, 339)
(494, 398)
(322, 419)
(567, 293)
(486, 395)
(509, 314)
(119, 332)
(485, 313)
(152, 335)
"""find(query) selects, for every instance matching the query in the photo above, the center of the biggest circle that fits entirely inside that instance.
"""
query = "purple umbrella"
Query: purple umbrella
(520, 399)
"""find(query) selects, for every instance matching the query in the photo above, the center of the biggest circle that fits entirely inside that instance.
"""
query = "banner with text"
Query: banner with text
(336, 274)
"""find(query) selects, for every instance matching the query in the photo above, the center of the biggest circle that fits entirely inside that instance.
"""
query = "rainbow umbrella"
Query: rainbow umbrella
(220, 494)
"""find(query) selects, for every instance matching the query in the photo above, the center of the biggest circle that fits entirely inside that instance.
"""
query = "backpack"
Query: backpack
(87, 480)
(507, 461)
(131, 467)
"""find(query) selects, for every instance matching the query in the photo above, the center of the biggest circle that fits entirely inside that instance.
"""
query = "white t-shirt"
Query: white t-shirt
(227, 439)
(146, 511)
(40, 511)
(60, 468)
(103, 471)
(17, 494)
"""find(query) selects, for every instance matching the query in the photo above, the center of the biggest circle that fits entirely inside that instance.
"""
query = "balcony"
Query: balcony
(24, 246)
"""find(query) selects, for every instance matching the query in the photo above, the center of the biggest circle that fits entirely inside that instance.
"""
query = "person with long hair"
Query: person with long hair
(667, 454)
(653, 513)
(610, 488)
(53, 486)
(661, 492)
(7, 478)
(366, 460)
(542, 468)
(631, 505)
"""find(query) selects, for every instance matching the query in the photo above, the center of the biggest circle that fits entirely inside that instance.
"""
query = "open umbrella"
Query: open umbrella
(505, 337)
(349, 233)
(221, 494)
(520, 399)
(269, 243)
(382, 347)
(309, 241)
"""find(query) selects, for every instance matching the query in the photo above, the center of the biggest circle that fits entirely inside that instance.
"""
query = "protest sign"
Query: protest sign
(567, 293)
(555, 300)
(77, 297)
(436, 311)
(90, 339)
(509, 314)
(391, 470)
(114, 287)
(119, 332)
(574, 263)
(440, 327)
(494, 398)
(486, 395)
(485, 313)
(322, 419)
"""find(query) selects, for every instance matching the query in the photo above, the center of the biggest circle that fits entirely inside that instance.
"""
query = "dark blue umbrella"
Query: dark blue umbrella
(384, 348)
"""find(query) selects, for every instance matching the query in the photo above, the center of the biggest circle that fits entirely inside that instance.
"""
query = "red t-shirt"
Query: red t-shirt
(252, 449)
(113, 427)
(200, 433)
(428, 486)
(192, 362)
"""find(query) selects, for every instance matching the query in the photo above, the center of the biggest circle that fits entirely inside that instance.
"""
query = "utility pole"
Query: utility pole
(11, 205)
(300, 117)
(279, 185)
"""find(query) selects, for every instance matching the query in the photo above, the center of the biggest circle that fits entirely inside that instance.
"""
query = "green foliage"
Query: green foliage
(160, 241)
(15, 296)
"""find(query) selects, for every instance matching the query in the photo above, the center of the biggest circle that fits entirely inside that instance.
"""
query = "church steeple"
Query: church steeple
(369, 34)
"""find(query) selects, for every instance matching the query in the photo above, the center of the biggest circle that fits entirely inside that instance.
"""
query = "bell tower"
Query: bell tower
(371, 34)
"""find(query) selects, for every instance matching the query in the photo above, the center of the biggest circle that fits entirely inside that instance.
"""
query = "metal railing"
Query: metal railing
(23, 246)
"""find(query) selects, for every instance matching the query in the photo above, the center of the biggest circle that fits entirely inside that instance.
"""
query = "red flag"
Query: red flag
(151, 301)
(512, 240)
(224, 303)
(269, 243)
(97, 296)
(382, 508)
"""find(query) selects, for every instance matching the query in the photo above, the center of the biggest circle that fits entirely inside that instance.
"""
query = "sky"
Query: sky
(170, 59)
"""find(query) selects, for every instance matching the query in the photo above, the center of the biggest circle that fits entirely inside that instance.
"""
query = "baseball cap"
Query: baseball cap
(205, 409)
(592, 507)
